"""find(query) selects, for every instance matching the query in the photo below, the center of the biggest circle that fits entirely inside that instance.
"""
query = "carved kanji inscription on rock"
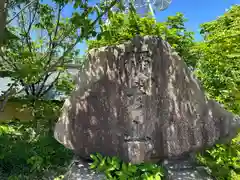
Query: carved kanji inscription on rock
(139, 101)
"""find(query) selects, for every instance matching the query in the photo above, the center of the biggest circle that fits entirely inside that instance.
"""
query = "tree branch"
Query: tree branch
(43, 84)
(25, 86)
(52, 41)
(113, 3)
(79, 39)
(51, 46)
(11, 63)
(11, 91)
(50, 86)
(62, 58)
(20, 11)
(27, 37)
(3, 17)
(27, 31)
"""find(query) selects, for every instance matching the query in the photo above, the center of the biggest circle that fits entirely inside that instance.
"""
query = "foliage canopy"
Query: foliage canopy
(44, 41)
(218, 66)
(123, 27)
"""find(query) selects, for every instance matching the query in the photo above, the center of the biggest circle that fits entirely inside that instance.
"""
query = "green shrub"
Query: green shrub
(219, 65)
(219, 71)
(223, 161)
(115, 169)
(26, 155)
(123, 27)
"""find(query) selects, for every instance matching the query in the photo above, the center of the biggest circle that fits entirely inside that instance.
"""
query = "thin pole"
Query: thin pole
(151, 9)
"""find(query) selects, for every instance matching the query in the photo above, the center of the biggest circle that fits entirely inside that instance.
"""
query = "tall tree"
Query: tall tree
(46, 42)
(5, 7)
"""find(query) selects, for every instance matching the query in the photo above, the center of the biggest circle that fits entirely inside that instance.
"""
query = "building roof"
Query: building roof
(53, 94)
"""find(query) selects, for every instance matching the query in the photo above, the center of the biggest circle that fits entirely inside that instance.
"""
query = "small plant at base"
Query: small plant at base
(59, 177)
(222, 160)
(115, 169)
(30, 158)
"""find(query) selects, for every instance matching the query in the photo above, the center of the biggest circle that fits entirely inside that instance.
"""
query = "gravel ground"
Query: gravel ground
(79, 170)
(185, 170)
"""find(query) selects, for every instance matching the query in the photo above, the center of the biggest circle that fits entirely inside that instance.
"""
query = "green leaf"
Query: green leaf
(94, 33)
(233, 55)
(94, 164)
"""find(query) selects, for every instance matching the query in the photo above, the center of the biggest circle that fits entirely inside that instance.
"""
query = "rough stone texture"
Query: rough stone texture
(140, 102)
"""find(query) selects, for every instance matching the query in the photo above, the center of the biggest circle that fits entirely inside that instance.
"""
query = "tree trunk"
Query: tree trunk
(3, 17)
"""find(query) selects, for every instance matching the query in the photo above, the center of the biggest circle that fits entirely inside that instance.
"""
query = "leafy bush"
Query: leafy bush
(219, 71)
(123, 27)
(115, 169)
(223, 160)
(27, 155)
(219, 65)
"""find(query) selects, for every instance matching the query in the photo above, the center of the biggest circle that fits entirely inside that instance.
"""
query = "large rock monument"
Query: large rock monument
(139, 101)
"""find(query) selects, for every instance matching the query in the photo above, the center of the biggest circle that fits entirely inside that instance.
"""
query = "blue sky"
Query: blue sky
(196, 11)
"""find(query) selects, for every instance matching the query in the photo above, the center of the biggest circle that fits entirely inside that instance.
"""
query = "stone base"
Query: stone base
(184, 170)
(79, 170)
